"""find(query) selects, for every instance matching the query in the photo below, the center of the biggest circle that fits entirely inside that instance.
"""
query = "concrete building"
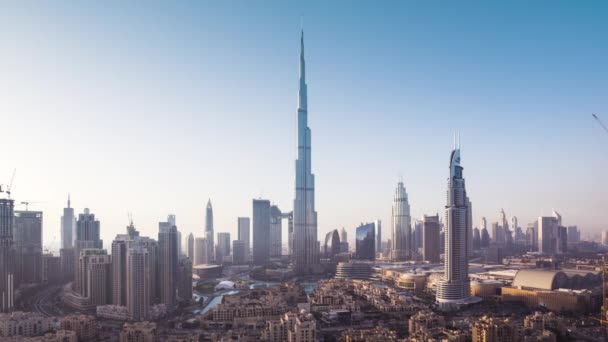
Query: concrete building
(51, 269)
(23, 324)
(430, 238)
(261, 232)
(137, 283)
(276, 236)
(138, 332)
(305, 241)
(120, 246)
(95, 269)
(378, 224)
(167, 264)
(184, 288)
(244, 234)
(200, 251)
(455, 288)
(190, 246)
(85, 326)
(239, 252)
(366, 242)
(87, 237)
(209, 232)
(401, 225)
(28, 247)
(67, 258)
(223, 247)
(488, 329)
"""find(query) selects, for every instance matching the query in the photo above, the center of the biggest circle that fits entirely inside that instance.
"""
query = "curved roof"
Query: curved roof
(539, 279)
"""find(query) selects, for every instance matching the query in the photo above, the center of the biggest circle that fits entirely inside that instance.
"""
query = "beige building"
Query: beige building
(51, 268)
(84, 326)
(488, 329)
(59, 336)
(138, 332)
(291, 327)
(138, 283)
(95, 267)
(424, 324)
(23, 324)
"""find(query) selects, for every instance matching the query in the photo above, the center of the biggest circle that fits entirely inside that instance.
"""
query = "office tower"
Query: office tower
(605, 238)
(514, 224)
(548, 230)
(502, 219)
(484, 223)
(558, 217)
(184, 289)
(343, 235)
(167, 245)
(179, 243)
(332, 245)
(138, 283)
(223, 247)
(87, 236)
(454, 288)
(7, 256)
(95, 268)
(498, 234)
(243, 234)
(417, 236)
(485, 238)
(574, 235)
(261, 232)
(28, 247)
(209, 232)
(276, 226)
(430, 238)
(68, 226)
(366, 242)
(344, 241)
(378, 224)
(306, 253)
(131, 230)
(401, 225)
(532, 235)
(120, 247)
(67, 257)
(190, 246)
(200, 251)
(239, 254)
(476, 239)
(562, 239)
(51, 269)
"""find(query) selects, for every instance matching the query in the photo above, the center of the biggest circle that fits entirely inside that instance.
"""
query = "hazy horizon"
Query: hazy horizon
(154, 108)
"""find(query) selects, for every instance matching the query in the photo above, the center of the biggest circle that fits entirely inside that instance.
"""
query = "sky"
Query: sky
(155, 107)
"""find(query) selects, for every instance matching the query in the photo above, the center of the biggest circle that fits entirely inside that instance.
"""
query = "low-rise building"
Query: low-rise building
(23, 324)
(488, 329)
(138, 332)
(85, 326)
(425, 324)
(115, 312)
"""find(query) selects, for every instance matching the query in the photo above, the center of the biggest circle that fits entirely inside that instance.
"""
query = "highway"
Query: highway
(43, 300)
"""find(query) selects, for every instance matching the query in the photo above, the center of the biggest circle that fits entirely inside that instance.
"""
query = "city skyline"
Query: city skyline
(118, 165)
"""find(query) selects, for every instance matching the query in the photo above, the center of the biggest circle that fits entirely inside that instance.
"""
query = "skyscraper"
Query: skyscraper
(276, 227)
(200, 251)
(28, 247)
(95, 269)
(261, 231)
(243, 234)
(87, 236)
(485, 238)
(209, 232)
(120, 247)
(574, 235)
(138, 283)
(378, 224)
(548, 239)
(430, 238)
(332, 245)
(190, 246)
(343, 241)
(184, 280)
(68, 226)
(476, 239)
(402, 229)
(455, 288)
(7, 256)
(366, 242)
(167, 244)
(306, 252)
(238, 252)
(223, 246)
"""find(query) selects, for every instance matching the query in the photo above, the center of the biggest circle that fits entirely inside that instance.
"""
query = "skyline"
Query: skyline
(132, 167)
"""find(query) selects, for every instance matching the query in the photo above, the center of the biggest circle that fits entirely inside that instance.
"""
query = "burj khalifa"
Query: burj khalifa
(306, 248)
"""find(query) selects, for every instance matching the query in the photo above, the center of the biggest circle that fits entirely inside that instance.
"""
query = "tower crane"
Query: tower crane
(9, 185)
(27, 203)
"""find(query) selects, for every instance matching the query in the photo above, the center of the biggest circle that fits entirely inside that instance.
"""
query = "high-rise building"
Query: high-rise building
(167, 244)
(532, 235)
(120, 247)
(402, 230)
(200, 251)
(28, 247)
(184, 288)
(366, 242)
(476, 239)
(498, 234)
(67, 257)
(378, 224)
(276, 227)
(87, 236)
(68, 226)
(209, 232)
(152, 247)
(605, 238)
(488, 329)
(190, 246)
(95, 269)
(138, 283)
(430, 238)
(261, 231)
(332, 244)
(7, 256)
(574, 235)
(455, 287)
(548, 230)
(239, 254)
(417, 236)
(305, 242)
(243, 234)
(51, 269)
(223, 247)
(343, 241)
(485, 238)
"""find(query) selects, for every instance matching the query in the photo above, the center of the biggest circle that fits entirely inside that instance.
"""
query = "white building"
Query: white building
(401, 225)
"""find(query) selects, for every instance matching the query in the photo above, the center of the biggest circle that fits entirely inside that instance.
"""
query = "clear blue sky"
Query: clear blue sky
(154, 107)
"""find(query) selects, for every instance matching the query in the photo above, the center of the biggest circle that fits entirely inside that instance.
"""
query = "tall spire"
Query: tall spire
(302, 104)
(69, 200)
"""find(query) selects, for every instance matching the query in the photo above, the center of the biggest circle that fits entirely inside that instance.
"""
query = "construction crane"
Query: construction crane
(27, 203)
(8, 186)
(600, 122)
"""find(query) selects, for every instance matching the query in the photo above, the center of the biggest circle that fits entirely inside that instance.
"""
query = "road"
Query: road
(42, 300)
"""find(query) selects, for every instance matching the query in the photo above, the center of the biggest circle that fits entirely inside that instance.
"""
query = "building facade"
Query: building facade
(261, 232)
(366, 242)
(401, 225)
(430, 238)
